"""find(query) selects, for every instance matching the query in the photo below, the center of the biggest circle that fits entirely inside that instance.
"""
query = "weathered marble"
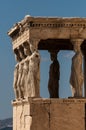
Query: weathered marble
(44, 33)
(37, 33)
(49, 114)
(20, 87)
(15, 87)
(24, 77)
(33, 75)
(76, 78)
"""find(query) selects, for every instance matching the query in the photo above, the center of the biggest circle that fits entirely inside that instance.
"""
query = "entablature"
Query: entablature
(44, 28)
(48, 22)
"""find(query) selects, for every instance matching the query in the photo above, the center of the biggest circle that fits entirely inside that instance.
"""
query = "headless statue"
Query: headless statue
(76, 78)
(54, 74)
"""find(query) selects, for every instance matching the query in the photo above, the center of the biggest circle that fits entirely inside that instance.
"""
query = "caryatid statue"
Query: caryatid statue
(76, 78)
(25, 70)
(54, 75)
(15, 81)
(33, 80)
(16, 89)
(23, 80)
(20, 87)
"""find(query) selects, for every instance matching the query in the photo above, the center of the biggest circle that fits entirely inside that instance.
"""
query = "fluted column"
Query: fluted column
(54, 75)
(76, 78)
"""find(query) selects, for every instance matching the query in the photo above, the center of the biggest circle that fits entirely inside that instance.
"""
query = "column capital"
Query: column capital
(77, 41)
(53, 51)
(34, 42)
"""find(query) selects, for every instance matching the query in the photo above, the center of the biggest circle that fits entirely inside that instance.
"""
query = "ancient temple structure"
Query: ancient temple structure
(30, 111)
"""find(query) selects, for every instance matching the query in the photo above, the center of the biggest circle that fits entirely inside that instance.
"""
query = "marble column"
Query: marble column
(54, 75)
(76, 77)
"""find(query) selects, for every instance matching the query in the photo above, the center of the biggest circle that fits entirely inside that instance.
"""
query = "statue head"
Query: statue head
(17, 55)
(32, 48)
(21, 52)
(27, 50)
(77, 48)
(53, 56)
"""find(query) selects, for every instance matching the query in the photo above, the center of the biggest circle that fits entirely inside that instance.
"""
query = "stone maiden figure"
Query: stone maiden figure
(24, 77)
(54, 75)
(76, 78)
(15, 86)
(33, 80)
(18, 89)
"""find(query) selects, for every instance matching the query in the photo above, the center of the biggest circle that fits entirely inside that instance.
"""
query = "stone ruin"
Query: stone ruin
(30, 111)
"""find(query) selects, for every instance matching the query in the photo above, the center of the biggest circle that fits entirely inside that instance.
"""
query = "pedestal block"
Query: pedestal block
(49, 114)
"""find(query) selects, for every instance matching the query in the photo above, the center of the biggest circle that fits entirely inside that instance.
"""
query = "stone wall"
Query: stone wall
(49, 114)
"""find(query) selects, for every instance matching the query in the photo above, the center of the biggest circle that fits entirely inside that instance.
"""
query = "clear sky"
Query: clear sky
(12, 11)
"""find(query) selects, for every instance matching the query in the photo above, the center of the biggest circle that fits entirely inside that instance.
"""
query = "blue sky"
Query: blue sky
(12, 11)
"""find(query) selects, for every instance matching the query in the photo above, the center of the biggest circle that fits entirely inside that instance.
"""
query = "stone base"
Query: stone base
(49, 114)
